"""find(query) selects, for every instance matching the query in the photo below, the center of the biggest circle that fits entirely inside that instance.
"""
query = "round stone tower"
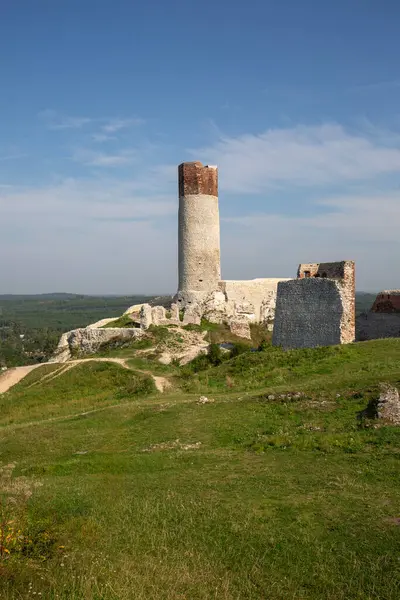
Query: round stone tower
(198, 236)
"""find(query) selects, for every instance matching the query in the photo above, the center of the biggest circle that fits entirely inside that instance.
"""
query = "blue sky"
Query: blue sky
(298, 103)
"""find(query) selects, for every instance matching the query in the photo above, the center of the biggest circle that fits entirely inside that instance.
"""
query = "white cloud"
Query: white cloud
(299, 156)
(102, 137)
(117, 124)
(90, 236)
(55, 120)
(360, 227)
(114, 235)
(12, 157)
(102, 159)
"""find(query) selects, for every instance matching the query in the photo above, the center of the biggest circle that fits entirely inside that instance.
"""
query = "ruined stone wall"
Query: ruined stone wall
(387, 301)
(316, 310)
(331, 270)
(373, 326)
(198, 233)
(254, 298)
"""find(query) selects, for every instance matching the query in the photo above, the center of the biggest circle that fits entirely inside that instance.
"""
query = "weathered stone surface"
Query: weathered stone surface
(198, 232)
(214, 307)
(261, 293)
(373, 326)
(88, 341)
(316, 310)
(192, 314)
(135, 309)
(175, 312)
(388, 406)
(146, 316)
(267, 310)
(158, 315)
(240, 328)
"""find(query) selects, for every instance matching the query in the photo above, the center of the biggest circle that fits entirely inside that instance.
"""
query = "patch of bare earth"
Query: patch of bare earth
(13, 376)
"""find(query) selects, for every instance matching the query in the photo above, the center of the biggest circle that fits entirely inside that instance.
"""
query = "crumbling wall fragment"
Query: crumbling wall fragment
(146, 316)
(318, 308)
(387, 302)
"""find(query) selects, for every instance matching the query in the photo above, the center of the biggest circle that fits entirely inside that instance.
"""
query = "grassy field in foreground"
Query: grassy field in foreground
(161, 497)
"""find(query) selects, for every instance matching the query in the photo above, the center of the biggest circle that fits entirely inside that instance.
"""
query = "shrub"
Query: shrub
(263, 346)
(215, 355)
(138, 386)
(239, 348)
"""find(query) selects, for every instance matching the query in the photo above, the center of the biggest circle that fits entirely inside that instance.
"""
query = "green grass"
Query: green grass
(160, 497)
(153, 366)
(316, 368)
(84, 387)
(124, 321)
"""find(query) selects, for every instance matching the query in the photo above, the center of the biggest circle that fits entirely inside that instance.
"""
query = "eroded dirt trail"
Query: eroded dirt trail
(13, 376)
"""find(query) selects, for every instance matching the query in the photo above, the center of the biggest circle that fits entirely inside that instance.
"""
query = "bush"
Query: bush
(263, 346)
(215, 355)
(138, 386)
(239, 348)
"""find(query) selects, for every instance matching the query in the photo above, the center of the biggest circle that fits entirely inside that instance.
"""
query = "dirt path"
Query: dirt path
(13, 376)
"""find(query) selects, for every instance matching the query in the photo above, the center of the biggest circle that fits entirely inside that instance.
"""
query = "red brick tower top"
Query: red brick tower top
(196, 179)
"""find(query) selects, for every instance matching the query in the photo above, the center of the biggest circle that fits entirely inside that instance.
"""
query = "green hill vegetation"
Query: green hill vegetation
(251, 477)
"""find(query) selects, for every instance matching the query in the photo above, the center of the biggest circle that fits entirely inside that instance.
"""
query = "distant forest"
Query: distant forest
(31, 326)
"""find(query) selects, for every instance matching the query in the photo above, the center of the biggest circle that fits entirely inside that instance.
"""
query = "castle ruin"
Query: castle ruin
(317, 308)
(201, 291)
(387, 302)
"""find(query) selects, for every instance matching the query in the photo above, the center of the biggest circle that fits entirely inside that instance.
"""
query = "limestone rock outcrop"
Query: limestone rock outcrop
(88, 340)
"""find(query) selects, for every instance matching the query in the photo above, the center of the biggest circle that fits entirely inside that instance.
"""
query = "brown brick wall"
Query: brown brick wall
(195, 179)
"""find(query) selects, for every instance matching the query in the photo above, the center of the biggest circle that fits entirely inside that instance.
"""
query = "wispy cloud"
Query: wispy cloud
(102, 137)
(55, 120)
(361, 227)
(376, 86)
(12, 157)
(102, 159)
(299, 156)
(115, 125)
(93, 236)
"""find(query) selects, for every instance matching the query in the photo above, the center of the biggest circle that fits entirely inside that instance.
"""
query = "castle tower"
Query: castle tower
(198, 236)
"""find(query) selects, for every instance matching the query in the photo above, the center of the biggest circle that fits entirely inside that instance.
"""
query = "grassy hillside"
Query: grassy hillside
(120, 493)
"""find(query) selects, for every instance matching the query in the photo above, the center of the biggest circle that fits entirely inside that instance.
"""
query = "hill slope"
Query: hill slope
(119, 492)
